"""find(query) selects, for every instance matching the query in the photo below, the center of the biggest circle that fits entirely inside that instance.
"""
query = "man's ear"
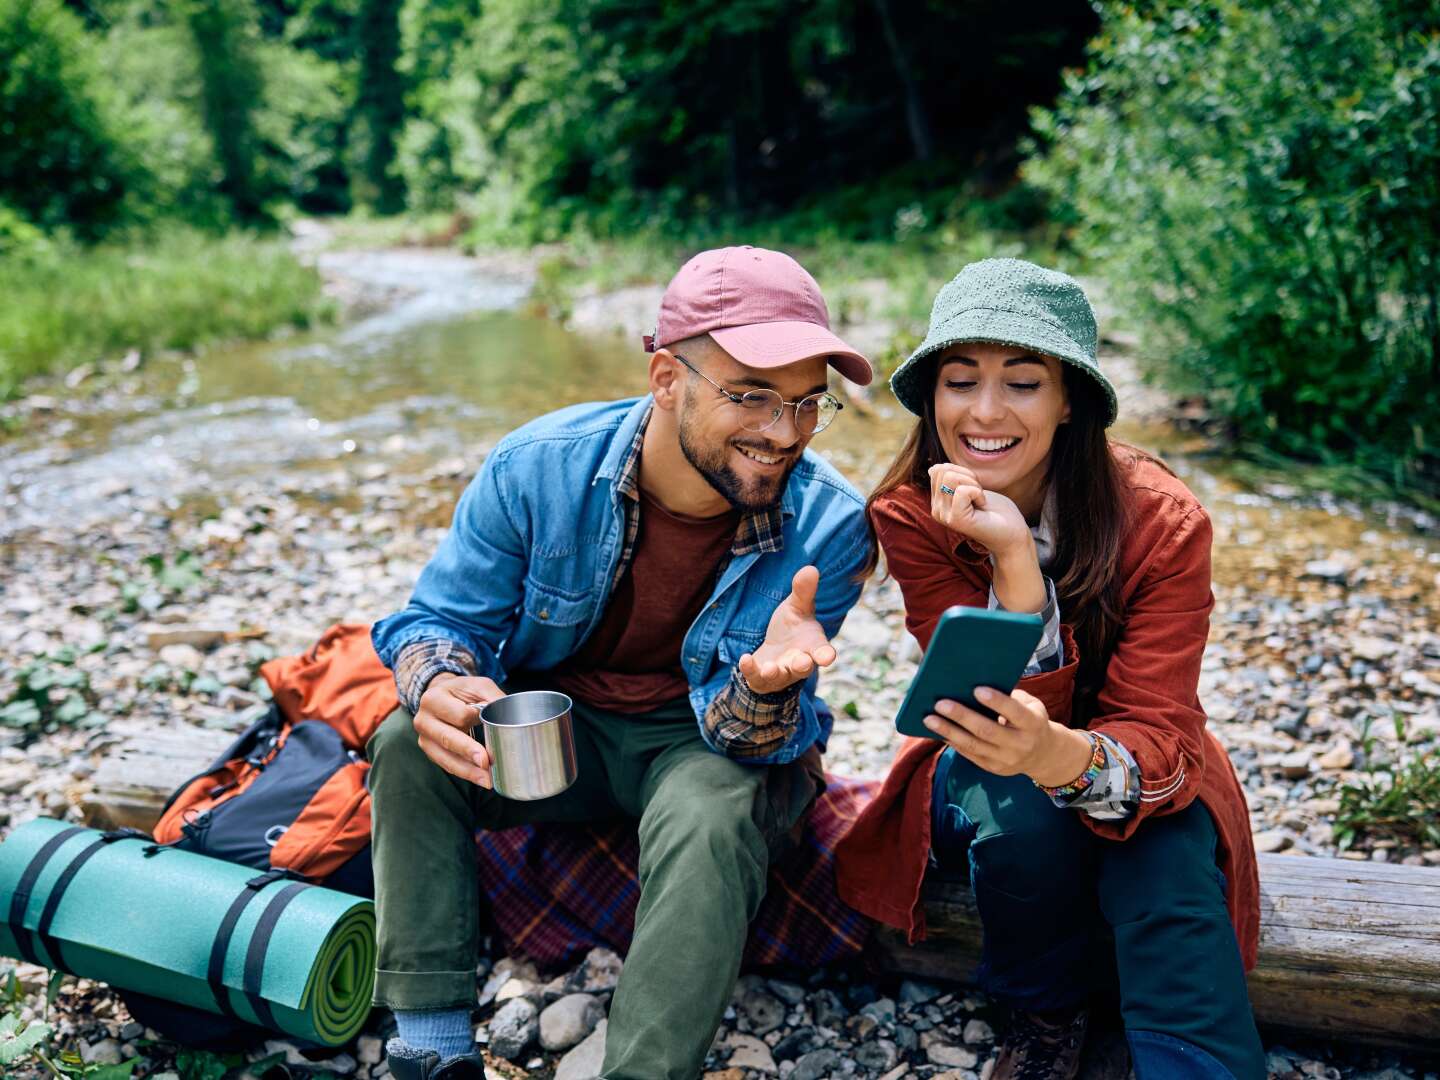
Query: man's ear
(666, 377)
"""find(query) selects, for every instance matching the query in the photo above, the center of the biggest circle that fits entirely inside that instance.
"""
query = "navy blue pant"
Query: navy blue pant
(1066, 913)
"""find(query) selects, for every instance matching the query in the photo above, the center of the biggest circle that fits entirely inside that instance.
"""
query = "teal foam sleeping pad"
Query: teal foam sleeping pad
(292, 957)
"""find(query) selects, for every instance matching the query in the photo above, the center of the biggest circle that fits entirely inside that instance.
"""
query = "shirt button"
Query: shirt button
(544, 614)
(692, 660)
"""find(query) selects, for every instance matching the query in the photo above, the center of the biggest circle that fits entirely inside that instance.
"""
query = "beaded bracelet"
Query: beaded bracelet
(1086, 778)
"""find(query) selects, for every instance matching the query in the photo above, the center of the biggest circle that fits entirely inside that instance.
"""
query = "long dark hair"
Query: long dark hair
(1091, 508)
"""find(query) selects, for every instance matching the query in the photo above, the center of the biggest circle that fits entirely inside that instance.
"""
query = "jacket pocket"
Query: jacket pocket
(737, 641)
(552, 606)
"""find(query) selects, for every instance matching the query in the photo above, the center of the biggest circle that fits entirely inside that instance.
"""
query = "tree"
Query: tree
(380, 107)
(232, 87)
(63, 155)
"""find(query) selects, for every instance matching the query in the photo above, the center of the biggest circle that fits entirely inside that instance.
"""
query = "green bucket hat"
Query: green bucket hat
(1007, 302)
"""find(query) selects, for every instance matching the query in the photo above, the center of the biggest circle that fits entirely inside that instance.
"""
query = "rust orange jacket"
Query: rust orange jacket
(1149, 701)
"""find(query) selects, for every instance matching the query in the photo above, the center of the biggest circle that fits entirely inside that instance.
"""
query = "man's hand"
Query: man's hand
(448, 710)
(794, 645)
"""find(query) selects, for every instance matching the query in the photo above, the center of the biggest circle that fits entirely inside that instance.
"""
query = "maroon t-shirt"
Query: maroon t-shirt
(631, 663)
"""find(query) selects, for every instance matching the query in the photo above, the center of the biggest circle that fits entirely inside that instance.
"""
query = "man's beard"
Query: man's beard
(713, 464)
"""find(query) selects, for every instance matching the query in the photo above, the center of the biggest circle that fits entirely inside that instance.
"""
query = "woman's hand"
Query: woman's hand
(1022, 740)
(994, 520)
(986, 517)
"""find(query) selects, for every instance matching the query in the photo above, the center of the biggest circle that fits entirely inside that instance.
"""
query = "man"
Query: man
(677, 565)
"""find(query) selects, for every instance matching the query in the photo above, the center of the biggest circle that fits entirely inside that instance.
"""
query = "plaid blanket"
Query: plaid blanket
(556, 891)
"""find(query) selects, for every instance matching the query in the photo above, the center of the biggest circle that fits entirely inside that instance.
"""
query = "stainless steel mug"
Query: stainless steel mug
(531, 739)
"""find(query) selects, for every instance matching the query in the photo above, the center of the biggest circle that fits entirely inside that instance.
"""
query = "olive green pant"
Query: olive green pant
(707, 825)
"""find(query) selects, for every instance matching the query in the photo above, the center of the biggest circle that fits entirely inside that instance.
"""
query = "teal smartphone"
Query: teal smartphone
(970, 647)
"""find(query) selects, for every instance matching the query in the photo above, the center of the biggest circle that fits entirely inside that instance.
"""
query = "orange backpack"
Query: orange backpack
(290, 793)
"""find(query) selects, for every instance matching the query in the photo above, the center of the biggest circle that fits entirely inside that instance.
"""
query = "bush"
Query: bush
(1261, 185)
(63, 156)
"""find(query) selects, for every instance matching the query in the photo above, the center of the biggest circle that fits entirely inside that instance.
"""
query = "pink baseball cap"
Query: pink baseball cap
(760, 306)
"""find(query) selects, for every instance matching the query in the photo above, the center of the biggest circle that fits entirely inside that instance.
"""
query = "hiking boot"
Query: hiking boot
(407, 1063)
(1042, 1046)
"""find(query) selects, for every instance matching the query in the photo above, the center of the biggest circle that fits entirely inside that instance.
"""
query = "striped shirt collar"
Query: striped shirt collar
(759, 530)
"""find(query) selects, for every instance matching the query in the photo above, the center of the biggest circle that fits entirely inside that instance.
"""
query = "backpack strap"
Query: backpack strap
(21, 899)
(214, 974)
(251, 745)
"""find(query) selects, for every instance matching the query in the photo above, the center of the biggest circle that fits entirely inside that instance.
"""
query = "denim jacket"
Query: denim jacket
(526, 570)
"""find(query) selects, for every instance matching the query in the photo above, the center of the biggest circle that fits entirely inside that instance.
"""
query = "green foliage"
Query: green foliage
(178, 289)
(19, 1039)
(380, 106)
(50, 693)
(17, 236)
(64, 158)
(204, 1065)
(1261, 185)
(1399, 800)
(552, 115)
(232, 86)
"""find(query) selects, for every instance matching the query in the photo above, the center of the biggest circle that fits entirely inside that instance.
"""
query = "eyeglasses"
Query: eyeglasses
(760, 409)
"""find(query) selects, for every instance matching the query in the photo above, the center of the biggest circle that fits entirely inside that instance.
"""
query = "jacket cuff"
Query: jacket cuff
(741, 723)
(1049, 654)
(420, 661)
(1115, 792)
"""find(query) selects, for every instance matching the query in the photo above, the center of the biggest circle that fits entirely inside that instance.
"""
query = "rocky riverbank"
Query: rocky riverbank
(148, 596)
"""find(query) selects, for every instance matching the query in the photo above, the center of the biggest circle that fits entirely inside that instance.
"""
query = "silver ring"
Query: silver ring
(947, 490)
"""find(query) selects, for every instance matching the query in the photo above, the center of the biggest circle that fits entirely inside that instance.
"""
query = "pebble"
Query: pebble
(1272, 840)
(877, 1056)
(978, 1031)
(567, 1021)
(796, 1043)
(584, 1061)
(913, 992)
(944, 1053)
(748, 1052)
(514, 1028)
(1295, 765)
(882, 1011)
(815, 1064)
(104, 1052)
(1339, 756)
(762, 1010)
(182, 657)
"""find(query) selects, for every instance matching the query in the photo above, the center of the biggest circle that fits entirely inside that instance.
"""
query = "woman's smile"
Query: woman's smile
(989, 447)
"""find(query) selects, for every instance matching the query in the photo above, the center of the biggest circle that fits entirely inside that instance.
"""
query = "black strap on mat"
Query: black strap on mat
(215, 970)
(260, 947)
(67, 876)
(25, 887)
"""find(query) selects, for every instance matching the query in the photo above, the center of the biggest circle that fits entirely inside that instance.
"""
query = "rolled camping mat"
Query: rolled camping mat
(258, 947)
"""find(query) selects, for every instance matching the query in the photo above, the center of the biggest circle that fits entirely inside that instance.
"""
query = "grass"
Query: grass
(1397, 800)
(178, 289)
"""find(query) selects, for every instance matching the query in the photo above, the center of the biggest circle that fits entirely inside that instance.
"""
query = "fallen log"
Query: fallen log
(1349, 950)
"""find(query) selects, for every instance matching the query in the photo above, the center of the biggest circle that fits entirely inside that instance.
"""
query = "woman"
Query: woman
(1105, 831)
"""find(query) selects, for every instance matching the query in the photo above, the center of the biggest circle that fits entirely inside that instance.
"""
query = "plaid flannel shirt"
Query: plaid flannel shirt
(745, 723)
(1115, 792)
